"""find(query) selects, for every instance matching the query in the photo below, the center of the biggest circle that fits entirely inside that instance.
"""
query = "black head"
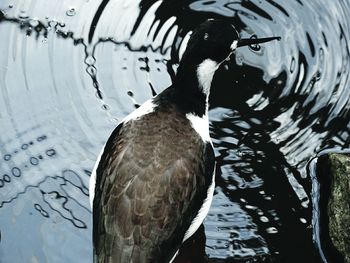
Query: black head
(213, 39)
(209, 45)
(216, 40)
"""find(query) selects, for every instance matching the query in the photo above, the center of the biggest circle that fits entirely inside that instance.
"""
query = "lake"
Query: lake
(70, 70)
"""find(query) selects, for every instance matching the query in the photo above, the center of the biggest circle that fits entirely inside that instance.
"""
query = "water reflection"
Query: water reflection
(69, 72)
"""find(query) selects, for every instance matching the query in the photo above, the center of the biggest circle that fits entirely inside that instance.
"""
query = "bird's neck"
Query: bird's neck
(193, 81)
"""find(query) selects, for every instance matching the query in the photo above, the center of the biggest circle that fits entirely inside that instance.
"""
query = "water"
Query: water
(70, 70)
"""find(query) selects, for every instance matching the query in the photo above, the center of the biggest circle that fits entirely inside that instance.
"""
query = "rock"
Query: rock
(334, 175)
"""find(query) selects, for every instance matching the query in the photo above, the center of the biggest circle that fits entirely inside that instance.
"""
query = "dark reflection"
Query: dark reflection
(258, 175)
(97, 16)
(256, 157)
(256, 9)
(193, 250)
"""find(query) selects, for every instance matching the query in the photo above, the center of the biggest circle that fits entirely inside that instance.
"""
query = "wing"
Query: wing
(147, 194)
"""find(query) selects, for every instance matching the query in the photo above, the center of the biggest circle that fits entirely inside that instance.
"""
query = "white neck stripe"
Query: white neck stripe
(205, 74)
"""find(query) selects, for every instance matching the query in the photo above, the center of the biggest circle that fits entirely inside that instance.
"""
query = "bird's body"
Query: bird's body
(158, 193)
(153, 183)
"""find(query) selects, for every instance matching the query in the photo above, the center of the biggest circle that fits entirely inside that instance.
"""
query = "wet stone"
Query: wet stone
(339, 203)
(333, 172)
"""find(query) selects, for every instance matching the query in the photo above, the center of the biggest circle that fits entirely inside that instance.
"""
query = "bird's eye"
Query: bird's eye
(206, 36)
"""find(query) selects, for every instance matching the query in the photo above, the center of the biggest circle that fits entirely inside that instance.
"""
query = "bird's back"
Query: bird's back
(151, 182)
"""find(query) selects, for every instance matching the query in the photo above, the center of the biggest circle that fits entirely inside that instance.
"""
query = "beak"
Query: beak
(252, 41)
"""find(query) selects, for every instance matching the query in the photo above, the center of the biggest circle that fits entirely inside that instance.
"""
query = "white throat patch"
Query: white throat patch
(234, 45)
(205, 74)
(200, 125)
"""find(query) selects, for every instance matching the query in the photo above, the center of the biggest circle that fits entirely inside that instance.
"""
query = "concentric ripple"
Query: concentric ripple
(70, 70)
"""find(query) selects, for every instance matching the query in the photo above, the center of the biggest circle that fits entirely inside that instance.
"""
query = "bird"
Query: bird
(153, 183)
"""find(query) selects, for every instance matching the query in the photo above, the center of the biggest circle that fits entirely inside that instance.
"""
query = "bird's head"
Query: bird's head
(211, 43)
(216, 40)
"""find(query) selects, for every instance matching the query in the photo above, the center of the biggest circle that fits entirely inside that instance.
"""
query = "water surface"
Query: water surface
(70, 70)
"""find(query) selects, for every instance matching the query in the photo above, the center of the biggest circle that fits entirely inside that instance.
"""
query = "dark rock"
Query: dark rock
(333, 173)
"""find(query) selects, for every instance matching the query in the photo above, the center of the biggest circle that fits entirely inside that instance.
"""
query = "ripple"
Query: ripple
(272, 230)
(71, 12)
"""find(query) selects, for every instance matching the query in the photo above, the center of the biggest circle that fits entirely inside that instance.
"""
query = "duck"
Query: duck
(154, 180)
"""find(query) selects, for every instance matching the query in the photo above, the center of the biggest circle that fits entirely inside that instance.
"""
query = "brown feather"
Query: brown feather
(151, 180)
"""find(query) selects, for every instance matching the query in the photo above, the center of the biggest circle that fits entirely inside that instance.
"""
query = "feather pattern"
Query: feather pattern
(151, 182)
